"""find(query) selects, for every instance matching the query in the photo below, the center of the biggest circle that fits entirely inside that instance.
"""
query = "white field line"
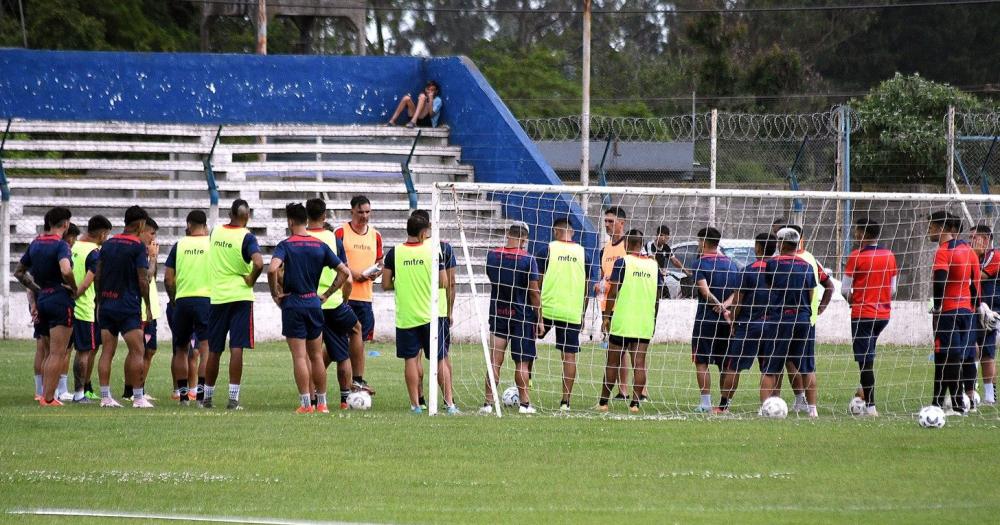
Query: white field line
(169, 517)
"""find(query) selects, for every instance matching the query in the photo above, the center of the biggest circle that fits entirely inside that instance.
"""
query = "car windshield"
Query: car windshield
(742, 255)
(688, 255)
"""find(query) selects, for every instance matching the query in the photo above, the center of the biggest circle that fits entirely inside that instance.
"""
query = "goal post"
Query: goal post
(482, 223)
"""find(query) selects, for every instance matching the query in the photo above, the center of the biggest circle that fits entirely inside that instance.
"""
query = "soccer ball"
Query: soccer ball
(857, 406)
(774, 407)
(359, 401)
(931, 417)
(510, 397)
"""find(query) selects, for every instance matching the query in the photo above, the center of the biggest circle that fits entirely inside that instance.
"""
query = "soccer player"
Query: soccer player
(46, 269)
(148, 238)
(986, 339)
(660, 249)
(62, 390)
(86, 338)
(716, 278)
(514, 303)
(791, 280)
(121, 284)
(234, 264)
(363, 247)
(188, 285)
(630, 318)
(751, 301)
(614, 226)
(304, 257)
(563, 264)
(408, 272)
(956, 295)
(341, 328)
(869, 286)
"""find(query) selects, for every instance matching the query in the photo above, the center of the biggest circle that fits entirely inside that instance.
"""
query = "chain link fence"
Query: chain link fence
(976, 156)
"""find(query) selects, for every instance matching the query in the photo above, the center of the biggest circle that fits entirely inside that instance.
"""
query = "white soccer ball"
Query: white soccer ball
(510, 397)
(931, 417)
(359, 401)
(774, 407)
(857, 406)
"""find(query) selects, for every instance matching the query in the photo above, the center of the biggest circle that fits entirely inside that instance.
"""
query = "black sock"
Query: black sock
(564, 402)
(724, 402)
(357, 379)
(182, 388)
(343, 395)
(525, 405)
(88, 387)
(634, 403)
(313, 400)
(868, 383)
(420, 401)
(939, 387)
(128, 391)
(952, 379)
(602, 402)
(969, 376)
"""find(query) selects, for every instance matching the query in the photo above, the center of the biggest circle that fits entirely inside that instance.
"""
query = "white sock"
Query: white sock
(305, 400)
(800, 398)
(137, 393)
(105, 392)
(78, 395)
(320, 399)
(988, 390)
(63, 387)
(706, 400)
(38, 384)
(234, 392)
(209, 391)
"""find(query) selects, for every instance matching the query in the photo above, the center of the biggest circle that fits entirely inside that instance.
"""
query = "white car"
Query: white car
(741, 251)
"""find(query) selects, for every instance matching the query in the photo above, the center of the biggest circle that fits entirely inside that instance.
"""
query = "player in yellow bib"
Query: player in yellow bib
(234, 263)
(630, 317)
(86, 337)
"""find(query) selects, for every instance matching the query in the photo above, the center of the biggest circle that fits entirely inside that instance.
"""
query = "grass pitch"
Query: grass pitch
(387, 466)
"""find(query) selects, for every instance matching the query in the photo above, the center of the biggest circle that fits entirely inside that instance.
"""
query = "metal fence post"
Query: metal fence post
(5, 243)
(845, 180)
(712, 164)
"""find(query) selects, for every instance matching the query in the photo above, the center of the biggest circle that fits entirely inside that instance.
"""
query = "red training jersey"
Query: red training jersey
(872, 270)
(962, 264)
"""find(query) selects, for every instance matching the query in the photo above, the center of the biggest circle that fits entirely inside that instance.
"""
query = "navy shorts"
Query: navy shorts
(118, 322)
(520, 336)
(567, 335)
(807, 363)
(234, 319)
(189, 320)
(337, 326)
(790, 335)
(149, 334)
(951, 336)
(54, 309)
(709, 342)
(365, 314)
(864, 336)
(622, 342)
(747, 344)
(409, 341)
(85, 336)
(987, 341)
(302, 323)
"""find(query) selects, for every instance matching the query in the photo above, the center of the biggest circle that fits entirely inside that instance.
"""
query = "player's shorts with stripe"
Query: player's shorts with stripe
(55, 308)
(709, 341)
(86, 336)
(366, 315)
(520, 336)
(337, 326)
(188, 317)
(301, 323)
(149, 335)
(864, 336)
(791, 335)
(118, 322)
(567, 335)
(951, 337)
(987, 341)
(409, 341)
(234, 319)
(746, 345)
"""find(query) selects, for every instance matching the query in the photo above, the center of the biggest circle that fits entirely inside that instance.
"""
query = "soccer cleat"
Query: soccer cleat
(702, 409)
(363, 386)
(53, 403)
(39, 398)
(633, 409)
(526, 409)
(799, 407)
(83, 401)
(142, 402)
(720, 411)
(486, 410)
(343, 405)
(148, 397)
(870, 412)
(952, 412)
(234, 404)
(192, 395)
(176, 395)
(207, 403)
(109, 402)
(602, 408)
(813, 413)
(453, 410)
(184, 402)
(416, 410)
(304, 410)
(322, 409)
(66, 396)
(93, 396)
(564, 407)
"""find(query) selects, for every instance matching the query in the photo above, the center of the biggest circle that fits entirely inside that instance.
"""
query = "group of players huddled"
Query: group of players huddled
(87, 289)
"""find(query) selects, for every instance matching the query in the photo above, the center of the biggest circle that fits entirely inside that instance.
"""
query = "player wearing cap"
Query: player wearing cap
(869, 286)
(86, 337)
(363, 248)
(716, 278)
(749, 334)
(408, 273)
(234, 263)
(514, 320)
(630, 318)
(303, 258)
(187, 281)
(986, 335)
(46, 269)
(122, 287)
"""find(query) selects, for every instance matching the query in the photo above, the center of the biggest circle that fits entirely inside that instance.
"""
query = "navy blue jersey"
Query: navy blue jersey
(91, 263)
(722, 276)
(121, 257)
(448, 259)
(791, 280)
(756, 296)
(988, 278)
(304, 258)
(42, 261)
(510, 270)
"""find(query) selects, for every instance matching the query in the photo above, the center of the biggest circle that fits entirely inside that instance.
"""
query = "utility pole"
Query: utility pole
(585, 111)
(261, 27)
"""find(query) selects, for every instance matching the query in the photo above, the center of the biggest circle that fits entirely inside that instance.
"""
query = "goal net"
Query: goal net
(497, 257)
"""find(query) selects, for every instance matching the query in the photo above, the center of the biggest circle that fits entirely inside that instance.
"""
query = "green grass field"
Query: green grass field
(387, 466)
